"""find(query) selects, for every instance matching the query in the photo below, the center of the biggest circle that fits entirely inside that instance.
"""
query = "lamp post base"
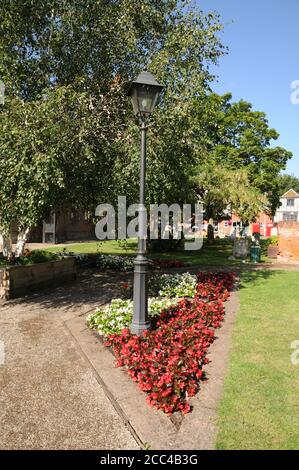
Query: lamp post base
(140, 320)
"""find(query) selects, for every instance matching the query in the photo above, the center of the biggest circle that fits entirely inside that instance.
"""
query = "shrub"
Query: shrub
(80, 258)
(167, 263)
(38, 256)
(273, 240)
(115, 262)
(163, 246)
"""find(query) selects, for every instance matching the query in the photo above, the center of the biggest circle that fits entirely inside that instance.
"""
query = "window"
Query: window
(290, 202)
(290, 216)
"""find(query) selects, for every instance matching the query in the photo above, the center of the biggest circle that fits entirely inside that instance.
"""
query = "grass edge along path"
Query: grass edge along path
(259, 408)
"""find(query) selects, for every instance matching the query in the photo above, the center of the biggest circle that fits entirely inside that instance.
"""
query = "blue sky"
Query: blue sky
(263, 61)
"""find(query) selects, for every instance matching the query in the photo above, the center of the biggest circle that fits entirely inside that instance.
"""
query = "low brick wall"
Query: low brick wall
(16, 281)
(288, 240)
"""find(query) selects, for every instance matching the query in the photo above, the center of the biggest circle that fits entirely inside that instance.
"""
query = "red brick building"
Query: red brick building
(69, 225)
(263, 225)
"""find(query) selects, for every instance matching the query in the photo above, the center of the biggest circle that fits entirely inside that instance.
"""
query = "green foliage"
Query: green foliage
(266, 242)
(239, 138)
(160, 245)
(67, 133)
(273, 240)
(115, 262)
(224, 191)
(181, 64)
(287, 182)
(54, 151)
(39, 256)
(76, 42)
(34, 257)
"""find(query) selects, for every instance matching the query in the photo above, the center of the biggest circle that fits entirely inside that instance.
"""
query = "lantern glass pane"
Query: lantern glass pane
(144, 99)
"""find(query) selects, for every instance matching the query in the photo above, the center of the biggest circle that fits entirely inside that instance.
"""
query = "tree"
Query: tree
(287, 182)
(175, 134)
(81, 42)
(224, 191)
(53, 151)
(238, 137)
(66, 128)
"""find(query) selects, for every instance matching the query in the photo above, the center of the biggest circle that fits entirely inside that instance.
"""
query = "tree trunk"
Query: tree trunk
(21, 242)
(210, 234)
(6, 246)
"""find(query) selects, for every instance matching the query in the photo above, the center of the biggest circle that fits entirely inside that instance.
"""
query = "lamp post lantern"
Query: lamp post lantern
(144, 93)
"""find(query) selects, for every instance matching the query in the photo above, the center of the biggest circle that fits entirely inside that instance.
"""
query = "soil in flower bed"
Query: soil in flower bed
(167, 363)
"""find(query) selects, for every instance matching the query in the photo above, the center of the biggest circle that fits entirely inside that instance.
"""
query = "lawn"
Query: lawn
(260, 404)
(115, 247)
(209, 255)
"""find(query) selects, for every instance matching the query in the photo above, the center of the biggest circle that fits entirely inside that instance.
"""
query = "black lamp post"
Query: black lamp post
(144, 93)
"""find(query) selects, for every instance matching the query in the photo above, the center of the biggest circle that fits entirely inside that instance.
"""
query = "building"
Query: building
(68, 225)
(289, 208)
(60, 227)
(233, 225)
(287, 212)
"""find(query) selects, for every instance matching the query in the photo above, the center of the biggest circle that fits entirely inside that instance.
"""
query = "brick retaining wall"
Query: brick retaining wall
(288, 240)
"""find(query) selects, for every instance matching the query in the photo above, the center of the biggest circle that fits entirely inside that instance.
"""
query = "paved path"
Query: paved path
(49, 398)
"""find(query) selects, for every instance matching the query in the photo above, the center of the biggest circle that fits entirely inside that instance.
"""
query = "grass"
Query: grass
(209, 255)
(259, 408)
(110, 247)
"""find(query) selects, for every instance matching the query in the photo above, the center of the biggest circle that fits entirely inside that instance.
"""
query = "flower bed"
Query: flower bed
(215, 286)
(178, 285)
(165, 291)
(167, 363)
(126, 263)
(116, 316)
